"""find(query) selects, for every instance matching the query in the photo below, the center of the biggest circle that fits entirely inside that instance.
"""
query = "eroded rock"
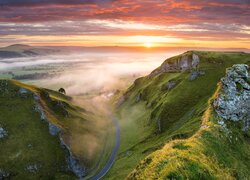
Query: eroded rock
(233, 102)
(185, 62)
(23, 91)
(3, 133)
(4, 174)
(195, 74)
(73, 162)
(53, 130)
(138, 98)
(33, 168)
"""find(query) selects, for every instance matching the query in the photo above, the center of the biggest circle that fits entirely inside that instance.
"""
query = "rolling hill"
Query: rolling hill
(20, 50)
(169, 129)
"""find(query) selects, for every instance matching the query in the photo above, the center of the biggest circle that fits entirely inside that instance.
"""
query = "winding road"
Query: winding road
(111, 160)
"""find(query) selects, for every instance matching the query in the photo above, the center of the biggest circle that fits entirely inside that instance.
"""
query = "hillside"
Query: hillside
(43, 135)
(220, 149)
(20, 50)
(167, 109)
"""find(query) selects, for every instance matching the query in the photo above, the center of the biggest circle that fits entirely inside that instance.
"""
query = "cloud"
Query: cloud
(216, 19)
(157, 11)
(81, 73)
(52, 2)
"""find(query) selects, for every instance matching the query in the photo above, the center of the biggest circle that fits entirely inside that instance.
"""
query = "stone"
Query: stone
(171, 84)
(23, 91)
(3, 133)
(193, 75)
(30, 145)
(33, 168)
(39, 109)
(138, 97)
(4, 175)
(53, 130)
(233, 102)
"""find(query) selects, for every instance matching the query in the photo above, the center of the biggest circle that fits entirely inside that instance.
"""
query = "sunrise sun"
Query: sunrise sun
(148, 45)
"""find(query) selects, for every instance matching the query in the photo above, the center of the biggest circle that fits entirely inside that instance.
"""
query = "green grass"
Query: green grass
(140, 134)
(29, 141)
(211, 153)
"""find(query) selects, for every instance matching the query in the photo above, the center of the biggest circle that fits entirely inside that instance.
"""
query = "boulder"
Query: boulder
(233, 102)
(23, 91)
(170, 85)
(4, 174)
(195, 74)
(3, 133)
(53, 130)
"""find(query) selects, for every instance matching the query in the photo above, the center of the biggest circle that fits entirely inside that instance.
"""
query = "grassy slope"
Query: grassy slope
(139, 121)
(211, 153)
(25, 129)
(28, 141)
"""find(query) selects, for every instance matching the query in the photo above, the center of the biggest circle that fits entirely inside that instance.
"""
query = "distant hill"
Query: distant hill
(20, 50)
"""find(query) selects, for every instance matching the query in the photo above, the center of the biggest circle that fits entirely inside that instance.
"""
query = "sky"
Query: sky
(146, 23)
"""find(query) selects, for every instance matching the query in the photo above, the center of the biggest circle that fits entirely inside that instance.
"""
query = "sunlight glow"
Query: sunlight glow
(148, 45)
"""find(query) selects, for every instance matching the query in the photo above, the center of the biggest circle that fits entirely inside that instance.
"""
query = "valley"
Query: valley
(159, 127)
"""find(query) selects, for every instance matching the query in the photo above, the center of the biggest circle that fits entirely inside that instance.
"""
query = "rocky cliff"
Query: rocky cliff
(188, 61)
(233, 103)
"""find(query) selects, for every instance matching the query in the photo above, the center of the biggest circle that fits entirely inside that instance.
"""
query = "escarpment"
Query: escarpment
(187, 61)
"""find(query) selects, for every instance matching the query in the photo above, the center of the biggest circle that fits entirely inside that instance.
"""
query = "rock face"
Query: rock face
(170, 85)
(73, 162)
(233, 102)
(194, 74)
(185, 62)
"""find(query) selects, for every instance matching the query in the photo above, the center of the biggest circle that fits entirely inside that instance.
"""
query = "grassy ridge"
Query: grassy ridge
(211, 153)
(29, 142)
(178, 111)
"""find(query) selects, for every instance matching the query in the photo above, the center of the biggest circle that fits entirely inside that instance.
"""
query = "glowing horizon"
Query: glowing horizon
(165, 23)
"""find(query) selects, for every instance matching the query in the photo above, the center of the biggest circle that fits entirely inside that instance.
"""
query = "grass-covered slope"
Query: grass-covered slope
(28, 150)
(153, 112)
(213, 152)
(36, 122)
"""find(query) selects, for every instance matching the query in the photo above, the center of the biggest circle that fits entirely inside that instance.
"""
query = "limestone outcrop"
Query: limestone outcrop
(185, 62)
(233, 102)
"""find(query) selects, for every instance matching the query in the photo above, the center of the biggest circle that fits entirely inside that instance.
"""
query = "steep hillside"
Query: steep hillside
(168, 104)
(221, 147)
(44, 136)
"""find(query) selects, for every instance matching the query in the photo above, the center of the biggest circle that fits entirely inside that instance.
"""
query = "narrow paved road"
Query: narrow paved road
(111, 160)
